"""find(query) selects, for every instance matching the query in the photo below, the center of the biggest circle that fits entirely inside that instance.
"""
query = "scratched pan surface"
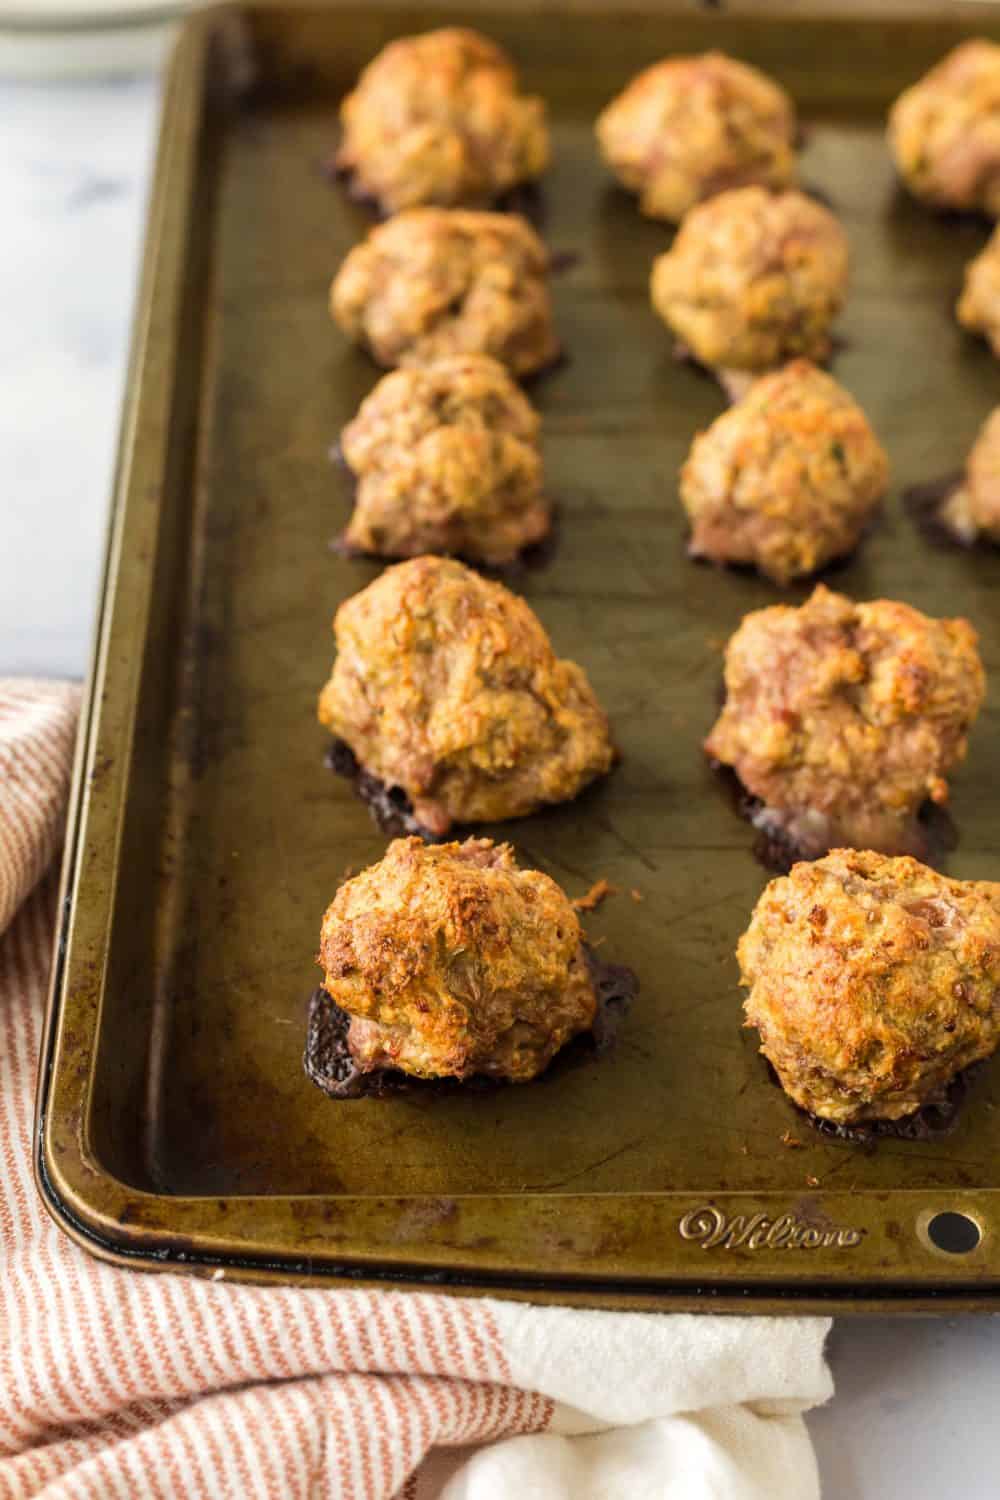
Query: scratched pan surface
(207, 837)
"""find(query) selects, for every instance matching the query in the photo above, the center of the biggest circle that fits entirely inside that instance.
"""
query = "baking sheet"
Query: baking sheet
(176, 1125)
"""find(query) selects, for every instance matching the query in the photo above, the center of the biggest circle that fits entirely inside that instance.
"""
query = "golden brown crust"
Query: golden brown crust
(753, 278)
(843, 718)
(872, 982)
(447, 460)
(688, 127)
(446, 685)
(433, 282)
(437, 119)
(944, 131)
(787, 478)
(452, 961)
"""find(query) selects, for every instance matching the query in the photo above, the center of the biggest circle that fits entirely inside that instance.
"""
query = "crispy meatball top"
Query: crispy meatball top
(848, 714)
(786, 478)
(446, 685)
(753, 278)
(437, 118)
(872, 982)
(447, 460)
(944, 131)
(455, 961)
(688, 127)
(433, 282)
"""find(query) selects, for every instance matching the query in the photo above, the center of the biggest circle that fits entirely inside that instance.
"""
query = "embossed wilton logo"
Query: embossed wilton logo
(713, 1230)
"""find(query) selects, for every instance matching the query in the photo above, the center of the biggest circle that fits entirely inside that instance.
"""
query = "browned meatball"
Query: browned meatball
(979, 305)
(752, 279)
(437, 118)
(843, 718)
(689, 127)
(872, 982)
(446, 457)
(945, 131)
(787, 478)
(450, 961)
(446, 685)
(433, 282)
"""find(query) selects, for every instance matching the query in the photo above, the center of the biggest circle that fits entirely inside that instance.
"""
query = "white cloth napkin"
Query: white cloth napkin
(652, 1408)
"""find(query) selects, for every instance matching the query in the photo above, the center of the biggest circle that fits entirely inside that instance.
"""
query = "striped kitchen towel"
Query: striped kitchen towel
(118, 1384)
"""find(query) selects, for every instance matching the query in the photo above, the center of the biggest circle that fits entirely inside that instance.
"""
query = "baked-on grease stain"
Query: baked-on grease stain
(563, 260)
(733, 383)
(935, 830)
(526, 199)
(390, 808)
(926, 504)
(931, 1122)
(815, 192)
(923, 503)
(328, 1062)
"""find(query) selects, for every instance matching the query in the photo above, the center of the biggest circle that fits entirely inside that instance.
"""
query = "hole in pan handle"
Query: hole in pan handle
(949, 1232)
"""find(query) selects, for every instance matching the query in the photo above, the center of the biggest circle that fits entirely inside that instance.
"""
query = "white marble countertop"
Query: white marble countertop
(916, 1413)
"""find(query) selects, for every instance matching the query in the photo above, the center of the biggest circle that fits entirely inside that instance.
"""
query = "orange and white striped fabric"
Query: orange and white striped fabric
(119, 1384)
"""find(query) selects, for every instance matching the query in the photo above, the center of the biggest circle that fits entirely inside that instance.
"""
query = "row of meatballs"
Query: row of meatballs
(446, 458)
(439, 119)
(872, 979)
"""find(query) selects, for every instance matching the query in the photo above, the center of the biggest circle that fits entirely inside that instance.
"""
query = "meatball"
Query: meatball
(972, 509)
(872, 982)
(787, 478)
(446, 458)
(689, 127)
(446, 686)
(437, 118)
(752, 279)
(944, 132)
(450, 961)
(434, 281)
(979, 305)
(843, 718)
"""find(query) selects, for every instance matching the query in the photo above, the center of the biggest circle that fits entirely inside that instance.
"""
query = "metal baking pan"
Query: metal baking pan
(175, 1123)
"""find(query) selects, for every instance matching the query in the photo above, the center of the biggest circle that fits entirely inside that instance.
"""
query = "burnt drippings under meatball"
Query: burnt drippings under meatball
(944, 131)
(451, 961)
(689, 127)
(446, 686)
(330, 1064)
(753, 279)
(978, 307)
(434, 282)
(437, 119)
(787, 479)
(447, 460)
(965, 507)
(873, 981)
(844, 718)
(974, 510)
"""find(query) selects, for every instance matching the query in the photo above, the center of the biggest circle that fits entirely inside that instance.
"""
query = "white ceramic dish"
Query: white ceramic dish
(84, 38)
